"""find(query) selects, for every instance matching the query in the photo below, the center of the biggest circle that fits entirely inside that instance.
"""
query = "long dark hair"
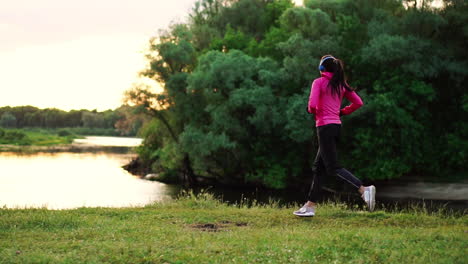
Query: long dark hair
(338, 80)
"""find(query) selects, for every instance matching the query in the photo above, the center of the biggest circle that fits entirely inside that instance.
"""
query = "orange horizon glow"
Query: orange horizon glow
(78, 55)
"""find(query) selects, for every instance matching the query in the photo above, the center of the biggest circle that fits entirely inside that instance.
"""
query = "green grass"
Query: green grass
(40, 139)
(22, 137)
(204, 230)
(31, 136)
(82, 131)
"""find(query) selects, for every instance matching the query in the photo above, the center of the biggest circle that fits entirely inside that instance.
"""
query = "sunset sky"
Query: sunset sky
(77, 54)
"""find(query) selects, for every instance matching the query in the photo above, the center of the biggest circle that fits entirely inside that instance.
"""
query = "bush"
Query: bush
(64, 133)
(14, 137)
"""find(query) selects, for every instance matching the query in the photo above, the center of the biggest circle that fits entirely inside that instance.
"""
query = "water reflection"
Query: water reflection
(70, 180)
(89, 174)
(109, 141)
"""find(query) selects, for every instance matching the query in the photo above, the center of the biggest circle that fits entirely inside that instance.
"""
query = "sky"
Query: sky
(78, 54)
(72, 54)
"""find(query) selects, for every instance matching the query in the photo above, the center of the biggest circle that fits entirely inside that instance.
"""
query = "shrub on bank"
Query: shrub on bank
(14, 137)
(34, 137)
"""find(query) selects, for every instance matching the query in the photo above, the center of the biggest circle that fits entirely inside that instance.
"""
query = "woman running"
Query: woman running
(325, 101)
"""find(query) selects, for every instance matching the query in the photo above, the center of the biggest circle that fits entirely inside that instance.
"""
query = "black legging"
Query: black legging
(326, 161)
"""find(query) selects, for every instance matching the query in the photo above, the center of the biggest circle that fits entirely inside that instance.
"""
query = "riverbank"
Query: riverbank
(40, 137)
(205, 230)
(77, 144)
(398, 192)
(25, 137)
(72, 147)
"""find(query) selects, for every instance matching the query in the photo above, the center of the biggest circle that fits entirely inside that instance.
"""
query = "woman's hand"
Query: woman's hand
(310, 110)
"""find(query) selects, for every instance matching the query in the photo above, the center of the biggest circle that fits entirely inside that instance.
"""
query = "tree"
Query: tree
(129, 120)
(7, 120)
(172, 58)
(237, 76)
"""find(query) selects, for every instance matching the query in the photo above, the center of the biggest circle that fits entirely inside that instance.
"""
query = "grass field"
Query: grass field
(204, 230)
(49, 137)
(23, 137)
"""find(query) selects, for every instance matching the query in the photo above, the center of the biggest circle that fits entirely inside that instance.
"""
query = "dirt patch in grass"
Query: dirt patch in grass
(217, 227)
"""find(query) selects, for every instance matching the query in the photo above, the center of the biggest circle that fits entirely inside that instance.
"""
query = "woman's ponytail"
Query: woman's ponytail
(338, 80)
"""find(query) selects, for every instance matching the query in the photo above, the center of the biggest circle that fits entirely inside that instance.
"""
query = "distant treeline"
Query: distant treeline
(123, 120)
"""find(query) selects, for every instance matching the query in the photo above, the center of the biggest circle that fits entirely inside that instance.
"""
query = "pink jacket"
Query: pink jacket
(326, 106)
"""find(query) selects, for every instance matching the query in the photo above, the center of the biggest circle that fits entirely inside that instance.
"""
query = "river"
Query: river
(66, 180)
(81, 177)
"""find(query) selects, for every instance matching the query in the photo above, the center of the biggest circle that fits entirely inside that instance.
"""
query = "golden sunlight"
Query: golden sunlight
(90, 73)
(298, 2)
(77, 55)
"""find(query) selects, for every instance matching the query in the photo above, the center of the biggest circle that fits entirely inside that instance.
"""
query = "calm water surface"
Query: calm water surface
(70, 180)
(109, 141)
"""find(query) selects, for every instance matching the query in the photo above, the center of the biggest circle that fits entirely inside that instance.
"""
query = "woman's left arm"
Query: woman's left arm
(355, 100)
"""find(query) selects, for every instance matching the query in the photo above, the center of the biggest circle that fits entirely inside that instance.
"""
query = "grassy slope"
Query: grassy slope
(41, 139)
(35, 138)
(51, 137)
(176, 232)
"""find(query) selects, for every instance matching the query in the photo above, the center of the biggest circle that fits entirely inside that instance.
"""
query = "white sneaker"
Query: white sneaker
(369, 197)
(305, 211)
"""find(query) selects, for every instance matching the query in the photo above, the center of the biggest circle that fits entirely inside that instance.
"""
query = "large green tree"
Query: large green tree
(236, 79)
